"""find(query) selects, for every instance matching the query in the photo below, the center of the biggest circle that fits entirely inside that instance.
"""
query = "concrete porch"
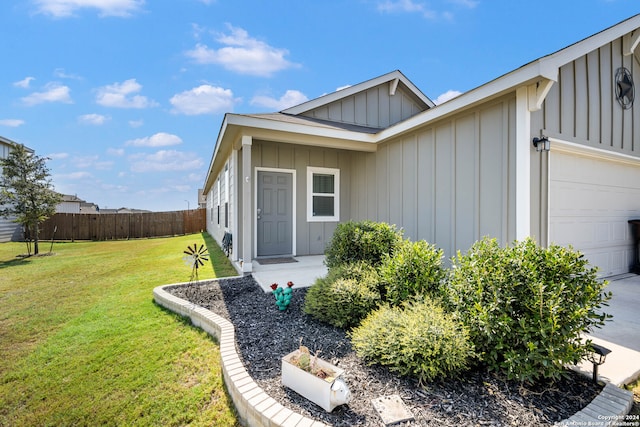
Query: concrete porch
(302, 273)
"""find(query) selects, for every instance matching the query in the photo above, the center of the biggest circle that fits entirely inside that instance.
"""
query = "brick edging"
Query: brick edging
(607, 408)
(254, 406)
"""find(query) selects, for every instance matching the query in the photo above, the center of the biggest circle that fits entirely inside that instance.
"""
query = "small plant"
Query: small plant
(415, 268)
(308, 363)
(361, 241)
(345, 296)
(416, 339)
(526, 307)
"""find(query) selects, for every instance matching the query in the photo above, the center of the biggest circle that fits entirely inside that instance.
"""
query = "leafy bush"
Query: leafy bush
(416, 339)
(345, 295)
(415, 268)
(361, 241)
(526, 306)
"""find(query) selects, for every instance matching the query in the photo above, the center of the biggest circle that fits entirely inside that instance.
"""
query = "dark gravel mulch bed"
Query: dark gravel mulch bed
(264, 334)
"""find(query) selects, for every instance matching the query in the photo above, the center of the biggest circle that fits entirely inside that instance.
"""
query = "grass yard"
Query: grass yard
(82, 343)
(635, 387)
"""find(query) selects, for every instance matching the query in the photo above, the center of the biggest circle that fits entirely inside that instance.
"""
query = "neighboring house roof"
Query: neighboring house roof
(293, 126)
(71, 198)
(7, 141)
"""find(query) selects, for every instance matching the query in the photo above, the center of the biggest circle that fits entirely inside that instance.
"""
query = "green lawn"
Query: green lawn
(82, 343)
(635, 387)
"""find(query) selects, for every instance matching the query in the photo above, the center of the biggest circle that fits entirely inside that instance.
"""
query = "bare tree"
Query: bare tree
(26, 191)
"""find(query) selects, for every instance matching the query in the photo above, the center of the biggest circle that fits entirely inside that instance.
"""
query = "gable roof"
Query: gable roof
(394, 79)
(290, 125)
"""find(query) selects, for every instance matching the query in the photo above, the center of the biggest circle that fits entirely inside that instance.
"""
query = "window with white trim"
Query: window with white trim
(218, 201)
(323, 194)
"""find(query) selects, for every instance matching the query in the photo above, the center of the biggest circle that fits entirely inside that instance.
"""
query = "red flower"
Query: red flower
(274, 286)
(290, 284)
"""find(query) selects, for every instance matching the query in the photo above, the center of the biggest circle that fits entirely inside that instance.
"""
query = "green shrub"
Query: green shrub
(345, 296)
(416, 339)
(526, 306)
(361, 241)
(415, 268)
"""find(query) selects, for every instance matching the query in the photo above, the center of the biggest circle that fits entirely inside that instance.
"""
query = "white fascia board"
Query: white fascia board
(351, 90)
(581, 48)
(310, 130)
(13, 144)
(559, 145)
(208, 181)
(545, 68)
(529, 74)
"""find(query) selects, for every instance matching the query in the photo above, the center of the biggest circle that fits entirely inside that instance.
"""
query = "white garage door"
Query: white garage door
(591, 200)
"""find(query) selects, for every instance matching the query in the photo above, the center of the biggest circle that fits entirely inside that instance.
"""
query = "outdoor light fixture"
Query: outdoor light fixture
(597, 356)
(542, 143)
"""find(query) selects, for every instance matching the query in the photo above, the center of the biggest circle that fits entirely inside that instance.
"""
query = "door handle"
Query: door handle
(259, 213)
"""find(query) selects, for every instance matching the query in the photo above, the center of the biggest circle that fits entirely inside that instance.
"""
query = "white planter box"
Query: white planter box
(326, 394)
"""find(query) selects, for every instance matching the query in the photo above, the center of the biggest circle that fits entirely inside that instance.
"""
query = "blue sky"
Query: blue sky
(126, 97)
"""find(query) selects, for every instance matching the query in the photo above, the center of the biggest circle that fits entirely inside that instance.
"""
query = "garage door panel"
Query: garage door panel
(591, 201)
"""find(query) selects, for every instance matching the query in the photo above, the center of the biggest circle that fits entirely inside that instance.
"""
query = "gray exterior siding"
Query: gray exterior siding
(582, 107)
(374, 108)
(9, 230)
(449, 183)
(311, 237)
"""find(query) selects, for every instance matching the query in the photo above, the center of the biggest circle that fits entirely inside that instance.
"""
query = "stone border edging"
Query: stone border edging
(608, 408)
(254, 406)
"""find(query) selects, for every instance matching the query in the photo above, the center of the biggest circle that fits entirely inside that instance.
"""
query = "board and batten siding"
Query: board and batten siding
(311, 237)
(373, 108)
(214, 198)
(582, 107)
(449, 183)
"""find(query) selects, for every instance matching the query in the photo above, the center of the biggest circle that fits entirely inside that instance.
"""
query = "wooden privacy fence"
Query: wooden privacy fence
(121, 226)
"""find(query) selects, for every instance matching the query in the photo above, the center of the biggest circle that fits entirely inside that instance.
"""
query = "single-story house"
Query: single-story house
(70, 204)
(9, 230)
(550, 150)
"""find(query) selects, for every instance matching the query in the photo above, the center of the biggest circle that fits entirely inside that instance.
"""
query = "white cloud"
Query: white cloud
(160, 139)
(24, 83)
(289, 99)
(450, 94)
(136, 123)
(204, 99)
(93, 119)
(423, 8)
(66, 8)
(61, 74)
(407, 6)
(53, 92)
(471, 4)
(58, 156)
(242, 54)
(85, 162)
(12, 123)
(115, 151)
(165, 160)
(123, 95)
(75, 175)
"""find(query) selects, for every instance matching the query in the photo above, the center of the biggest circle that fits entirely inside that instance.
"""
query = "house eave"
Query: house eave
(234, 126)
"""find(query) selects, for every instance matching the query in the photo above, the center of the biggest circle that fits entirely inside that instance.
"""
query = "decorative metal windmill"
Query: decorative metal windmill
(195, 257)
